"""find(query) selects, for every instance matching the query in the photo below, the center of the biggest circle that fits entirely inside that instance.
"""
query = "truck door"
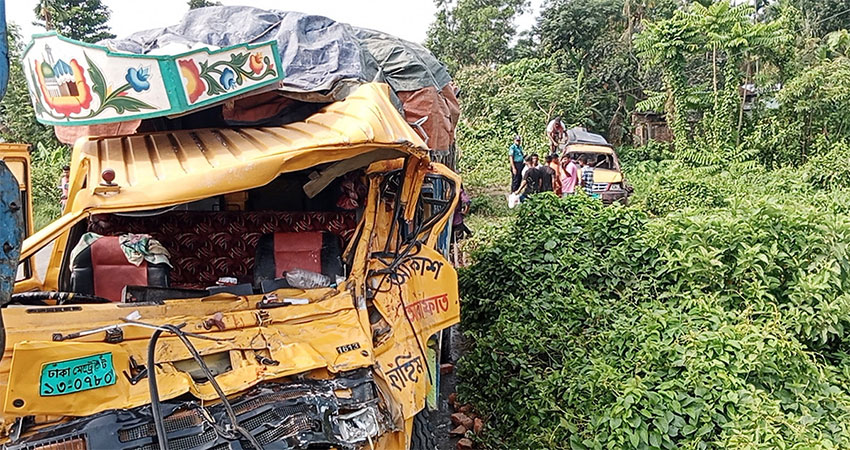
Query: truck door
(16, 158)
(11, 231)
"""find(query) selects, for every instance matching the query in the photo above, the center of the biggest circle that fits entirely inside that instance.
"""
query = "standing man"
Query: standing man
(535, 162)
(587, 173)
(516, 160)
(64, 187)
(531, 180)
(555, 164)
(556, 131)
(569, 175)
(547, 176)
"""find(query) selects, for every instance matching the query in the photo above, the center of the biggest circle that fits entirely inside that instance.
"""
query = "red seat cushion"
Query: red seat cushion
(111, 270)
(298, 251)
(207, 245)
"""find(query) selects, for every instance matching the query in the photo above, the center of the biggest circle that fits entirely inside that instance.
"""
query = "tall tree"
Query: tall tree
(17, 117)
(575, 26)
(474, 31)
(83, 20)
(195, 4)
(596, 36)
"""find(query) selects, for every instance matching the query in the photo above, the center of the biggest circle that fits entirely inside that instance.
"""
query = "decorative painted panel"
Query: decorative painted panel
(208, 77)
(73, 83)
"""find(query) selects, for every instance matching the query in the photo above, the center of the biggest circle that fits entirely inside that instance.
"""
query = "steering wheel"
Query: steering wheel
(40, 298)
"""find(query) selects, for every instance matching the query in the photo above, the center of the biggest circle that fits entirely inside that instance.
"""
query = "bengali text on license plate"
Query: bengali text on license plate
(75, 375)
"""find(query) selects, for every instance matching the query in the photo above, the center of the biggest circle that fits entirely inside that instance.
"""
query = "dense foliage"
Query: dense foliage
(717, 327)
(17, 116)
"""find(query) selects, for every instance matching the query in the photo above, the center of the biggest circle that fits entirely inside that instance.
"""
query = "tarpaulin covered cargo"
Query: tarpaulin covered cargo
(322, 60)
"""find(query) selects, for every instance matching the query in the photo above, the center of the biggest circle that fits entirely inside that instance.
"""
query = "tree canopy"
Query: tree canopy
(83, 20)
(468, 32)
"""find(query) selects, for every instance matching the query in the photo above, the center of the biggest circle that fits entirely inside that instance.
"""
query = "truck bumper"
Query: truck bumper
(343, 412)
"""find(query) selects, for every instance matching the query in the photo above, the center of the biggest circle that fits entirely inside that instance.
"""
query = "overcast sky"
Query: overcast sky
(407, 19)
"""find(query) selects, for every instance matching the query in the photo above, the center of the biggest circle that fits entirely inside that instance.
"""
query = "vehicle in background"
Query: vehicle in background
(609, 182)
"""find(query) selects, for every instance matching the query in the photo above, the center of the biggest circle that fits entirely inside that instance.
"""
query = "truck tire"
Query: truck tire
(422, 437)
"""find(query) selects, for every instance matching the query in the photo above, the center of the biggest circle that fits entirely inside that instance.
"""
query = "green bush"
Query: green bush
(830, 169)
(652, 151)
(595, 327)
(670, 193)
(46, 170)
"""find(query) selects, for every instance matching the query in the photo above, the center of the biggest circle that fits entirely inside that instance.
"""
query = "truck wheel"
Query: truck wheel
(423, 437)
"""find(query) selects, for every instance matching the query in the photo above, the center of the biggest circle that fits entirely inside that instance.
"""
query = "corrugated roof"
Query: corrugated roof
(162, 168)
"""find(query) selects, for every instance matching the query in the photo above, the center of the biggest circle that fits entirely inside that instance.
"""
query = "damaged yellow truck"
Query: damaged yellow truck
(343, 366)
(255, 287)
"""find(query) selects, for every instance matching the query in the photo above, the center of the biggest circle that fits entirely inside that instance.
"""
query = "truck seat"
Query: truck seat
(207, 245)
(316, 251)
(103, 270)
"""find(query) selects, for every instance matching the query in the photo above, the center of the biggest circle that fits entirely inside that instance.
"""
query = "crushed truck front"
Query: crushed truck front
(261, 364)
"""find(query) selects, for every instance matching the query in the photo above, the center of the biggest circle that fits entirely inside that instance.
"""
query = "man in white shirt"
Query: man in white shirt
(556, 131)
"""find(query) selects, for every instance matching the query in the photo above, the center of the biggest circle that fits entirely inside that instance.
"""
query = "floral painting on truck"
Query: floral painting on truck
(73, 83)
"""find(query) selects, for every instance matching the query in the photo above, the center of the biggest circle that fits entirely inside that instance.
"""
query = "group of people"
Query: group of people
(559, 174)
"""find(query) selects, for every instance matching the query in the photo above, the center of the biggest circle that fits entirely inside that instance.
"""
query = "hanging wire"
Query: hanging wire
(156, 406)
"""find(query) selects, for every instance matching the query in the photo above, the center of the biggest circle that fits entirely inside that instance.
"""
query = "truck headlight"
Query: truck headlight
(359, 426)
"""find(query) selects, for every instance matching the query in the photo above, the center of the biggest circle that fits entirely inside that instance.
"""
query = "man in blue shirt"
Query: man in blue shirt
(517, 159)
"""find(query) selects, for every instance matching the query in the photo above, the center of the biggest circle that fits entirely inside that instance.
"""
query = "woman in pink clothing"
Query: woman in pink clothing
(569, 175)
